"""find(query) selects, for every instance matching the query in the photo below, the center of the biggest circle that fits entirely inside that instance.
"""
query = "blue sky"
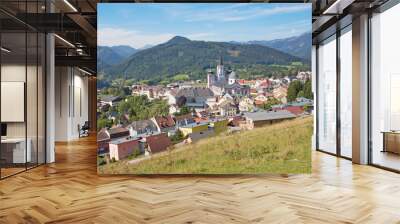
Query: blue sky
(139, 25)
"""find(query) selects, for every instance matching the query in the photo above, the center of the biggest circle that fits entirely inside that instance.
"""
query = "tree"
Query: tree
(270, 102)
(308, 90)
(184, 110)
(141, 108)
(177, 137)
(104, 123)
(300, 94)
(294, 88)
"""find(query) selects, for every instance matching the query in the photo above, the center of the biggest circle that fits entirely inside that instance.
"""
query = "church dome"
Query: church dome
(232, 75)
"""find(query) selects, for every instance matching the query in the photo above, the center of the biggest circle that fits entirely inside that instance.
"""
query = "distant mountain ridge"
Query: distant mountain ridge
(182, 55)
(299, 46)
(108, 56)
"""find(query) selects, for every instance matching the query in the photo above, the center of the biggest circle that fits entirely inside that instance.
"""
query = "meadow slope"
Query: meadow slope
(280, 148)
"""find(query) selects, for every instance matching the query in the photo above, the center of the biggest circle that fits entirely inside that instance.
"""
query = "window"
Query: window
(22, 98)
(346, 92)
(385, 89)
(327, 95)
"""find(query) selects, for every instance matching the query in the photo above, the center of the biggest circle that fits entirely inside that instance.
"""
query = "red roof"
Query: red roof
(158, 143)
(165, 121)
(296, 110)
(200, 119)
(259, 102)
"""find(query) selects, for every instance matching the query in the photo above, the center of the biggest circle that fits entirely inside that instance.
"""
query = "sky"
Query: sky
(147, 24)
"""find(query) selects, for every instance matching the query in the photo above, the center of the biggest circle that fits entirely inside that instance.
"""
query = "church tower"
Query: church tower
(220, 70)
(210, 78)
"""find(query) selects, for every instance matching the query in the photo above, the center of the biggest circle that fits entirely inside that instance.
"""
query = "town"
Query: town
(186, 111)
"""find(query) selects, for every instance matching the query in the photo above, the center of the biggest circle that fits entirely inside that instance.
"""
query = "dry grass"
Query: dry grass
(280, 148)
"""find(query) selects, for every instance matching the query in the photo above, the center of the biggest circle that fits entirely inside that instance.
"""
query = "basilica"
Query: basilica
(224, 81)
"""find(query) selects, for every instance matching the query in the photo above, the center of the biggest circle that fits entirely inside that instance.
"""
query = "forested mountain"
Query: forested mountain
(108, 56)
(299, 46)
(181, 55)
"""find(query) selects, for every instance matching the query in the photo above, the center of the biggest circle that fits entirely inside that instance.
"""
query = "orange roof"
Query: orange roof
(200, 119)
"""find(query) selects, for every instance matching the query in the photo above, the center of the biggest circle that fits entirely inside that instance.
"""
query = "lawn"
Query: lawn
(280, 148)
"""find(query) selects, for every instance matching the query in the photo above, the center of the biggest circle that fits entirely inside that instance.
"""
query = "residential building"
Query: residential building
(280, 93)
(143, 127)
(262, 118)
(246, 104)
(110, 100)
(122, 148)
(193, 128)
(103, 138)
(157, 143)
(195, 97)
(183, 120)
(164, 123)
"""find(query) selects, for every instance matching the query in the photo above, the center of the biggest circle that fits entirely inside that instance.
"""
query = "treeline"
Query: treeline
(299, 89)
(135, 108)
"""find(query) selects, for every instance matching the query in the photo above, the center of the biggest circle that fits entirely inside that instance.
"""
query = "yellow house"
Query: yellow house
(193, 128)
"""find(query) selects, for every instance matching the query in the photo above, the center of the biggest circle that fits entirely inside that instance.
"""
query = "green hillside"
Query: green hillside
(181, 55)
(280, 148)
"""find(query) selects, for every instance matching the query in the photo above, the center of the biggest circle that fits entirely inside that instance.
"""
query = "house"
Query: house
(152, 92)
(156, 143)
(303, 76)
(280, 93)
(246, 104)
(227, 109)
(261, 98)
(103, 138)
(123, 147)
(263, 84)
(193, 128)
(118, 132)
(236, 121)
(296, 110)
(236, 89)
(261, 118)
(164, 123)
(110, 100)
(193, 96)
(246, 82)
(201, 119)
(183, 120)
(142, 127)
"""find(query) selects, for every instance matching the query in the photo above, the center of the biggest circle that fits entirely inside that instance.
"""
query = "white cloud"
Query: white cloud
(136, 39)
(234, 14)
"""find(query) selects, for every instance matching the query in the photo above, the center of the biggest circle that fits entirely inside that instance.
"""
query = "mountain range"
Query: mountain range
(182, 55)
(299, 46)
(108, 56)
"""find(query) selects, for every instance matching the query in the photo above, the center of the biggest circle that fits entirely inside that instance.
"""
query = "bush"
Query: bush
(135, 154)
(177, 137)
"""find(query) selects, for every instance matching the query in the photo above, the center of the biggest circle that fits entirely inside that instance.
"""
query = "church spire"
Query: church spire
(220, 60)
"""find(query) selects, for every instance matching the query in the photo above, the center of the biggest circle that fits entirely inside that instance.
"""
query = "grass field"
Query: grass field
(280, 148)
